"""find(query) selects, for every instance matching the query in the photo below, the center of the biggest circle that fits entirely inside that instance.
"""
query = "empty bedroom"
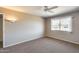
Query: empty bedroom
(39, 29)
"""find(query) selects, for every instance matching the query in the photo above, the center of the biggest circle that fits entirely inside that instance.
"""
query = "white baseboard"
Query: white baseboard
(65, 40)
(33, 38)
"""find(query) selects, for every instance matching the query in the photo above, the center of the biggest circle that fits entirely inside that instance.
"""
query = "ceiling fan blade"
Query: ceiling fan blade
(51, 8)
(45, 8)
(50, 11)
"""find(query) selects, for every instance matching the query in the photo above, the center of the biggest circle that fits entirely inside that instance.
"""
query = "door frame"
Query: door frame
(3, 29)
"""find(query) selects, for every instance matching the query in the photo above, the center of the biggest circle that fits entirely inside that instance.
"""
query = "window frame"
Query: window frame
(60, 19)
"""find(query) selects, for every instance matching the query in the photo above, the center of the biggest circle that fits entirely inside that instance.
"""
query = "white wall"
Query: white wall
(66, 36)
(26, 28)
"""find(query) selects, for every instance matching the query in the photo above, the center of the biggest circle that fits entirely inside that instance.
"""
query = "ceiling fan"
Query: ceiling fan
(48, 9)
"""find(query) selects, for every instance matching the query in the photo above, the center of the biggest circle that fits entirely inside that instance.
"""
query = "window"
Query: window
(55, 25)
(62, 24)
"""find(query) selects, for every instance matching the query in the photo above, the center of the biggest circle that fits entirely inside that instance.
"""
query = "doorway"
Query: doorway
(1, 30)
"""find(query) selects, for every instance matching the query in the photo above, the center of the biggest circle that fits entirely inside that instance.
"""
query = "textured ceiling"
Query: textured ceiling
(39, 10)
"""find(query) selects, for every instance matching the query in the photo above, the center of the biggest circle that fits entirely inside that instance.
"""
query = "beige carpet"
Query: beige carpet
(43, 45)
